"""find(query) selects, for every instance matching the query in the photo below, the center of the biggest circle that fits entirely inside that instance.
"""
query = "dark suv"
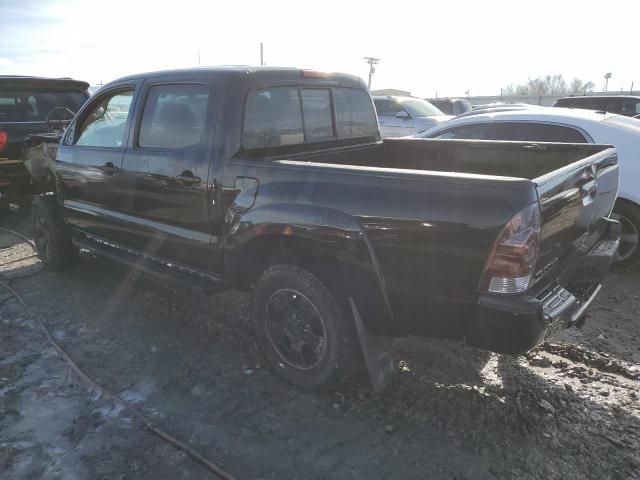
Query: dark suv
(628, 106)
(31, 105)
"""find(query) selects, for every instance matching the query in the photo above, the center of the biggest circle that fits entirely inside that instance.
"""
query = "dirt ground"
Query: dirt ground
(188, 361)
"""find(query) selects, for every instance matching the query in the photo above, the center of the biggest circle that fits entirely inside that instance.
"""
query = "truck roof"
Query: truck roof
(29, 81)
(260, 73)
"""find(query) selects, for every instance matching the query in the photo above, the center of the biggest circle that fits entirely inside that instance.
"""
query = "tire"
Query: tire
(301, 329)
(52, 237)
(628, 255)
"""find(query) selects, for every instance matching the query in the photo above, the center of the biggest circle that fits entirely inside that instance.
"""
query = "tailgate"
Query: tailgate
(574, 201)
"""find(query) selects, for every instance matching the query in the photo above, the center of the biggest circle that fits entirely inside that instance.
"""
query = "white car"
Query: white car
(571, 126)
(402, 116)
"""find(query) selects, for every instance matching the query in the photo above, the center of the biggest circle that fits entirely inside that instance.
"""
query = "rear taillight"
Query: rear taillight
(511, 264)
(4, 139)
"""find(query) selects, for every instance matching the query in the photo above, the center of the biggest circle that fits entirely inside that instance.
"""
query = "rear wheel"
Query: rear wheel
(628, 254)
(301, 329)
(51, 235)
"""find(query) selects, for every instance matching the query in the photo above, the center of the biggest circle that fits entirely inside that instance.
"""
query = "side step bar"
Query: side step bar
(151, 265)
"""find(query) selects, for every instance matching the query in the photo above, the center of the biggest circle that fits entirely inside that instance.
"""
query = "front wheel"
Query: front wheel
(628, 254)
(51, 235)
(301, 329)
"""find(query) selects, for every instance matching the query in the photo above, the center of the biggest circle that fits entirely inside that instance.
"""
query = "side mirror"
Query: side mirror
(404, 115)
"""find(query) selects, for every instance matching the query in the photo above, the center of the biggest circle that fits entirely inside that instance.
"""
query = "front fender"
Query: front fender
(331, 237)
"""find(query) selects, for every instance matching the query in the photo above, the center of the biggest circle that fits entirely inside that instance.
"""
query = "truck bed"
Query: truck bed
(433, 208)
(485, 157)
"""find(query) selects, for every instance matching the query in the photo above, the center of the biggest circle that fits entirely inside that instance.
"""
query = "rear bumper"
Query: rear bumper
(516, 324)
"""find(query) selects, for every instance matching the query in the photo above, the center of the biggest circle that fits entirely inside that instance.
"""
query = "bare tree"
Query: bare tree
(549, 85)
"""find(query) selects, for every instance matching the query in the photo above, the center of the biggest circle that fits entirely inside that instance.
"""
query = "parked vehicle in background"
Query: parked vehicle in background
(494, 108)
(451, 106)
(278, 179)
(402, 116)
(484, 106)
(626, 105)
(575, 126)
(31, 105)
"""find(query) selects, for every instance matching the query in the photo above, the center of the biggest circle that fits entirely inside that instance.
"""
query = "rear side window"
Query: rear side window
(536, 132)
(316, 107)
(273, 118)
(174, 116)
(478, 131)
(355, 116)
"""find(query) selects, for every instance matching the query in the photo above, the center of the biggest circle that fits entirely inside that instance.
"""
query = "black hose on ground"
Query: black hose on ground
(212, 467)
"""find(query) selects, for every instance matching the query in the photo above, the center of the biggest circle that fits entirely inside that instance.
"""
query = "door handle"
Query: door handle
(187, 179)
(109, 168)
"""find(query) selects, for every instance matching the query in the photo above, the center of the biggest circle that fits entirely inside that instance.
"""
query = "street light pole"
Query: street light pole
(371, 61)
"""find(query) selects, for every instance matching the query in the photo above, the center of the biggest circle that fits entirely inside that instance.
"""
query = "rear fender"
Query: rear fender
(329, 242)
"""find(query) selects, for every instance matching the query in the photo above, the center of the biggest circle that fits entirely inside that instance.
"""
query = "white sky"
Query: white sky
(446, 46)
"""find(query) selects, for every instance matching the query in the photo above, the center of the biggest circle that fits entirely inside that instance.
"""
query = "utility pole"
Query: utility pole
(372, 69)
(631, 91)
(606, 81)
(261, 54)
(198, 57)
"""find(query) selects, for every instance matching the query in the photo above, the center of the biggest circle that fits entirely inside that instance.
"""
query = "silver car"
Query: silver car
(401, 116)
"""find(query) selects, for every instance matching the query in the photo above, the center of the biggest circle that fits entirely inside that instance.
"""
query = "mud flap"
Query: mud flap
(375, 351)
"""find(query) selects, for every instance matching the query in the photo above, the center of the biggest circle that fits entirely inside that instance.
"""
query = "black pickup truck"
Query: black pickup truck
(278, 180)
(31, 106)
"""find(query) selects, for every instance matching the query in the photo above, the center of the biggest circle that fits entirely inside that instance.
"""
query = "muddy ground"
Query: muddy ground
(188, 361)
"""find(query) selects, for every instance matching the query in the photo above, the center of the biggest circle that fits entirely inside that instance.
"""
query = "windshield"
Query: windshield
(34, 105)
(420, 108)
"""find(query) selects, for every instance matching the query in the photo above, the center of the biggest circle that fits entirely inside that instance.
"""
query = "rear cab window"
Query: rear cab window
(316, 110)
(355, 116)
(297, 115)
